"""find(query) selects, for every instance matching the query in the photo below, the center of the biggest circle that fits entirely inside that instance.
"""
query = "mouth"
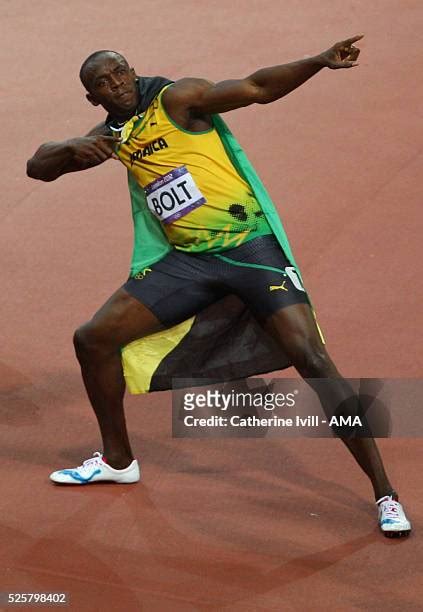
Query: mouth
(125, 101)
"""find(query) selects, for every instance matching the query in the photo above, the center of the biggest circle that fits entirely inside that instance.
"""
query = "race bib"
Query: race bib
(173, 195)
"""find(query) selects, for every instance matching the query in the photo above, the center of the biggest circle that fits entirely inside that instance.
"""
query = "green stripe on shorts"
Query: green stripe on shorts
(249, 265)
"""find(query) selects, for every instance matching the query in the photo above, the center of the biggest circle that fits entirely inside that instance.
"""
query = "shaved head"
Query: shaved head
(92, 62)
(110, 83)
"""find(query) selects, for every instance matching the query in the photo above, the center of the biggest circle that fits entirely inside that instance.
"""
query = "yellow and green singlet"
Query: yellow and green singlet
(191, 185)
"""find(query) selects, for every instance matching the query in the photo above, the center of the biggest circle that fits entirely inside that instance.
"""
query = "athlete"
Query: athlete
(206, 234)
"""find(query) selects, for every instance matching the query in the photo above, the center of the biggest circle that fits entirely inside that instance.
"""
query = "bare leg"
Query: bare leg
(121, 320)
(295, 329)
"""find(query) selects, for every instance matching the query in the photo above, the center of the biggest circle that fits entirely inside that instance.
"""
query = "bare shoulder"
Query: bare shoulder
(180, 101)
(186, 90)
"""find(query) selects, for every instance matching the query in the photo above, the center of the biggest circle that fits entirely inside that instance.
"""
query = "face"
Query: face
(112, 84)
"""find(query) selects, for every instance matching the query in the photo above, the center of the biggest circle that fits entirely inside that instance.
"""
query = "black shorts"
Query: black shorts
(182, 284)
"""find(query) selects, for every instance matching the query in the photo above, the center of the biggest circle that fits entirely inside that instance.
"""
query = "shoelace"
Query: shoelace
(390, 508)
(91, 462)
(391, 511)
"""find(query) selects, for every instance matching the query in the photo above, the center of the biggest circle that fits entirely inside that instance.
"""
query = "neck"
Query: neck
(126, 116)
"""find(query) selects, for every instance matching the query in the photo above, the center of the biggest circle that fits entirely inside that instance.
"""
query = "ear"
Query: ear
(133, 73)
(91, 100)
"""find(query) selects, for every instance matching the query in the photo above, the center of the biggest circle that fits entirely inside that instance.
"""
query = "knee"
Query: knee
(313, 361)
(86, 340)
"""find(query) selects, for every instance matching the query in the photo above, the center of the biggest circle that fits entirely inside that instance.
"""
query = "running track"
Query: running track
(217, 525)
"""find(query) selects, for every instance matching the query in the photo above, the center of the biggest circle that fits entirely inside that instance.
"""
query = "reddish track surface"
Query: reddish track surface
(217, 525)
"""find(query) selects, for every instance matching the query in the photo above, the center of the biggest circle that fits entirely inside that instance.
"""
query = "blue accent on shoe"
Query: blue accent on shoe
(78, 476)
(389, 522)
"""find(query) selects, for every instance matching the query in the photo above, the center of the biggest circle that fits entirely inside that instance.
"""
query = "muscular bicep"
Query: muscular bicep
(204, 97)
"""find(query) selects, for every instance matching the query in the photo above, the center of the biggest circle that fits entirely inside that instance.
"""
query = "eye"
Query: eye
(101, 84)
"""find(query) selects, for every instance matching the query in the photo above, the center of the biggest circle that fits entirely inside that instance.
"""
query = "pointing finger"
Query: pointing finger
(110, 139)
(350, 41)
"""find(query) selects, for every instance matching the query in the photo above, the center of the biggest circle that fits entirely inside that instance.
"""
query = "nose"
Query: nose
(115, 81)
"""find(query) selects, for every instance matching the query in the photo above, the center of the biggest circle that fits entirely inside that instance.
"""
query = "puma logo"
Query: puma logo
(141, 275)
(275, 287)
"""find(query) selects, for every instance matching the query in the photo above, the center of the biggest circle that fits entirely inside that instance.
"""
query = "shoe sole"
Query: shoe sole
(97, 481)
(397, 534)
(82, 484)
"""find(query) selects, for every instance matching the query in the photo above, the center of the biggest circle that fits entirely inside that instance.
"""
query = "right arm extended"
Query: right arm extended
(53, 159)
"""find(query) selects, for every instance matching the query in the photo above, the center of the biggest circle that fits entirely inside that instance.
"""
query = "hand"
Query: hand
(92, 150)
(342, 55)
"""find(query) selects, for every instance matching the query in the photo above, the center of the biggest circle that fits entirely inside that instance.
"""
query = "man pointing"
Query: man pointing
(212, 274)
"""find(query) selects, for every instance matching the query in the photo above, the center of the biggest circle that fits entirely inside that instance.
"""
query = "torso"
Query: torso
(190, 183)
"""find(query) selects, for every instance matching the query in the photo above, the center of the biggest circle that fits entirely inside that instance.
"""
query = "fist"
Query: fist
(93, 149)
